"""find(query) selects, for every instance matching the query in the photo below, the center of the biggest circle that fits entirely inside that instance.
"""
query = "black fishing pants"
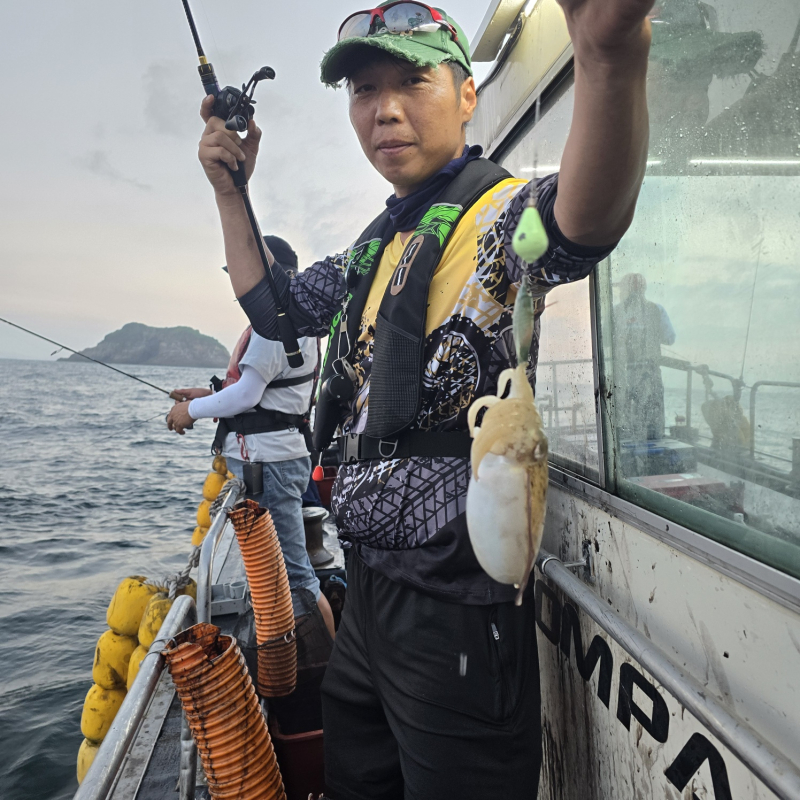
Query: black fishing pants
(427, 700)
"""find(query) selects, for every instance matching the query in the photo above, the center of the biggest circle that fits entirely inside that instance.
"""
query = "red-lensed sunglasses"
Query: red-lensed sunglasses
(405, 16)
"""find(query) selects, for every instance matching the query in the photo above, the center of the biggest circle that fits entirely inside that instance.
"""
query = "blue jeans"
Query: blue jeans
(284, 484)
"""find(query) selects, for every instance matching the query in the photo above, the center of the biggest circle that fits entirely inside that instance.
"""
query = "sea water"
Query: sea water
(89, 493)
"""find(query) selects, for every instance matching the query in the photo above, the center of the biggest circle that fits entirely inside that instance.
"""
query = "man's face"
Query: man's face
(409, 120)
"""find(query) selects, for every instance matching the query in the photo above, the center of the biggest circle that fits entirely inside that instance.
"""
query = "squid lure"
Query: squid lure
(506, 499)
(530, 238)
(507, 495)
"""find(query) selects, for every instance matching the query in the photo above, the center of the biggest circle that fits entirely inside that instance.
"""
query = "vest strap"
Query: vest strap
(360, 447)
(260, 420)
(282, 383)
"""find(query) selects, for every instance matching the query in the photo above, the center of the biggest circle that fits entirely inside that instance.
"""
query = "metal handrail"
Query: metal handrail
(771, 767)
(188, 765)
(553, 408)
(753, 389)
(102, 775)
(207, 552)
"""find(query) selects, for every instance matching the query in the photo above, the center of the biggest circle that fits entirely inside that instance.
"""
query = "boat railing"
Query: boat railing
(207, 552)
(736, 387)
(549, 403)
(701, 369)
(770, 766)
(205, 580)
(102, 775)
(795, 442)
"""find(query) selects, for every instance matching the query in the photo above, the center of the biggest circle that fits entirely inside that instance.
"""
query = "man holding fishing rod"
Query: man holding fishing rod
(433, 689)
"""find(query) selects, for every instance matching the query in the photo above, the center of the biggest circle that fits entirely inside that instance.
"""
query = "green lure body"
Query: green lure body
(522, 322)
(530, 239)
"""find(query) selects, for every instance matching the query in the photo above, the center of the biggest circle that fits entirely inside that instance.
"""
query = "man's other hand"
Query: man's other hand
(189, 394)
(608, 30)
(178, 419)
(220, 148)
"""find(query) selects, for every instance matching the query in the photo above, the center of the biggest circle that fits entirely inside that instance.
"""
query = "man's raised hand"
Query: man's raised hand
(608, 30)
(220, 148)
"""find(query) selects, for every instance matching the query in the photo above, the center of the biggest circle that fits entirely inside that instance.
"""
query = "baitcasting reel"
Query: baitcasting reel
(233, 105)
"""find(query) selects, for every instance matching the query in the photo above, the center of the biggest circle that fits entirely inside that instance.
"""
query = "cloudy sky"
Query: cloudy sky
(105, 214)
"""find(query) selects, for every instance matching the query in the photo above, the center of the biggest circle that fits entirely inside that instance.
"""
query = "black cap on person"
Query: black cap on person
(282, 251)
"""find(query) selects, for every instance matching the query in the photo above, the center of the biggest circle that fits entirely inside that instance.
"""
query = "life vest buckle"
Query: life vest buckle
(393, 444)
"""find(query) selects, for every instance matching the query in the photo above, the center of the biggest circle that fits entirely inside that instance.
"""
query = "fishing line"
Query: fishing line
(130, 427)
(537, 116)
(83, 355)
(213, 39)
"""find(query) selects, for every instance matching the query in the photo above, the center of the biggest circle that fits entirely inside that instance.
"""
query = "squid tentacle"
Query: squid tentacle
(472, 414)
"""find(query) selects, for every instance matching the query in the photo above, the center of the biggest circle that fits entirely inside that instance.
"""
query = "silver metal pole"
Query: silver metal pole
(188, 777)
(762, 759)
(102, 775)
(188, 774)
(207, 551)
(688, 398)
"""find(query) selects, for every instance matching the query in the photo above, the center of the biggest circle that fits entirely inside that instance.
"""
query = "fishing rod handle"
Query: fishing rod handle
(208, 79)
(239, 176)
(286, 331)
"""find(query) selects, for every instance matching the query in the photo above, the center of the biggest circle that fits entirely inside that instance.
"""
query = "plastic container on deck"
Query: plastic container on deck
(301, 761)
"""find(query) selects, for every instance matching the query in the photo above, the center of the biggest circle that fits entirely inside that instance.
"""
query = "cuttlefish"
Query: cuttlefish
(506, 499)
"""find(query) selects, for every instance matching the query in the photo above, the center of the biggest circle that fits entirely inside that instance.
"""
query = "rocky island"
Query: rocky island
(135, 343)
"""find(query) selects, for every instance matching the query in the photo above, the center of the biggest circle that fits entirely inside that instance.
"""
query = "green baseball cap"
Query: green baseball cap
(422, 48)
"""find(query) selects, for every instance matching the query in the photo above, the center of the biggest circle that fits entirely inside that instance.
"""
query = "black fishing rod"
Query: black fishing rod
(88, 358)
(236, 108)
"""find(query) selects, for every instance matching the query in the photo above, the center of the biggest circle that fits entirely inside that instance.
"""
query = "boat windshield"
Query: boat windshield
(697, 309)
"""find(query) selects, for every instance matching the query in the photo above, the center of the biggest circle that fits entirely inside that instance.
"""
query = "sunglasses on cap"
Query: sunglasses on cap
(402, 17)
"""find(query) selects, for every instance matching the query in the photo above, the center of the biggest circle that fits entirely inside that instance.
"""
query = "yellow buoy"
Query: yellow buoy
(111, 657)
(153, 617)
(198, 536)
(133, 666)
(127, 605)
(213, 484)
(230, 476)
(203, 518)
(99, 709)
(86, 753)
(220, 465)
(190, 589)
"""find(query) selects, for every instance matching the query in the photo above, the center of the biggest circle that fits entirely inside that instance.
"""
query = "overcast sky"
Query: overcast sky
(105, 214)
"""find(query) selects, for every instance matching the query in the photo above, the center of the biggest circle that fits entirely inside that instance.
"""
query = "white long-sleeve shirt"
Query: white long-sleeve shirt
(263, 362)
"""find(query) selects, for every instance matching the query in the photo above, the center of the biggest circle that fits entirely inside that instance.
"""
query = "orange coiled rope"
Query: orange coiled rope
(223, 711)
(270, 596)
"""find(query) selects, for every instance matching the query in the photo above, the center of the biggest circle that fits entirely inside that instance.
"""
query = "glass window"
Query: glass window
(699, 305)
(565, 375)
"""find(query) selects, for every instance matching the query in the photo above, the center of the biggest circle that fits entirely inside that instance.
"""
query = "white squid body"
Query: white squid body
(506, 500)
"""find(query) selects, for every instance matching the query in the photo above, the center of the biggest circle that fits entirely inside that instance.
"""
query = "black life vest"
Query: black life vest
(398, 348)
(258, 419)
